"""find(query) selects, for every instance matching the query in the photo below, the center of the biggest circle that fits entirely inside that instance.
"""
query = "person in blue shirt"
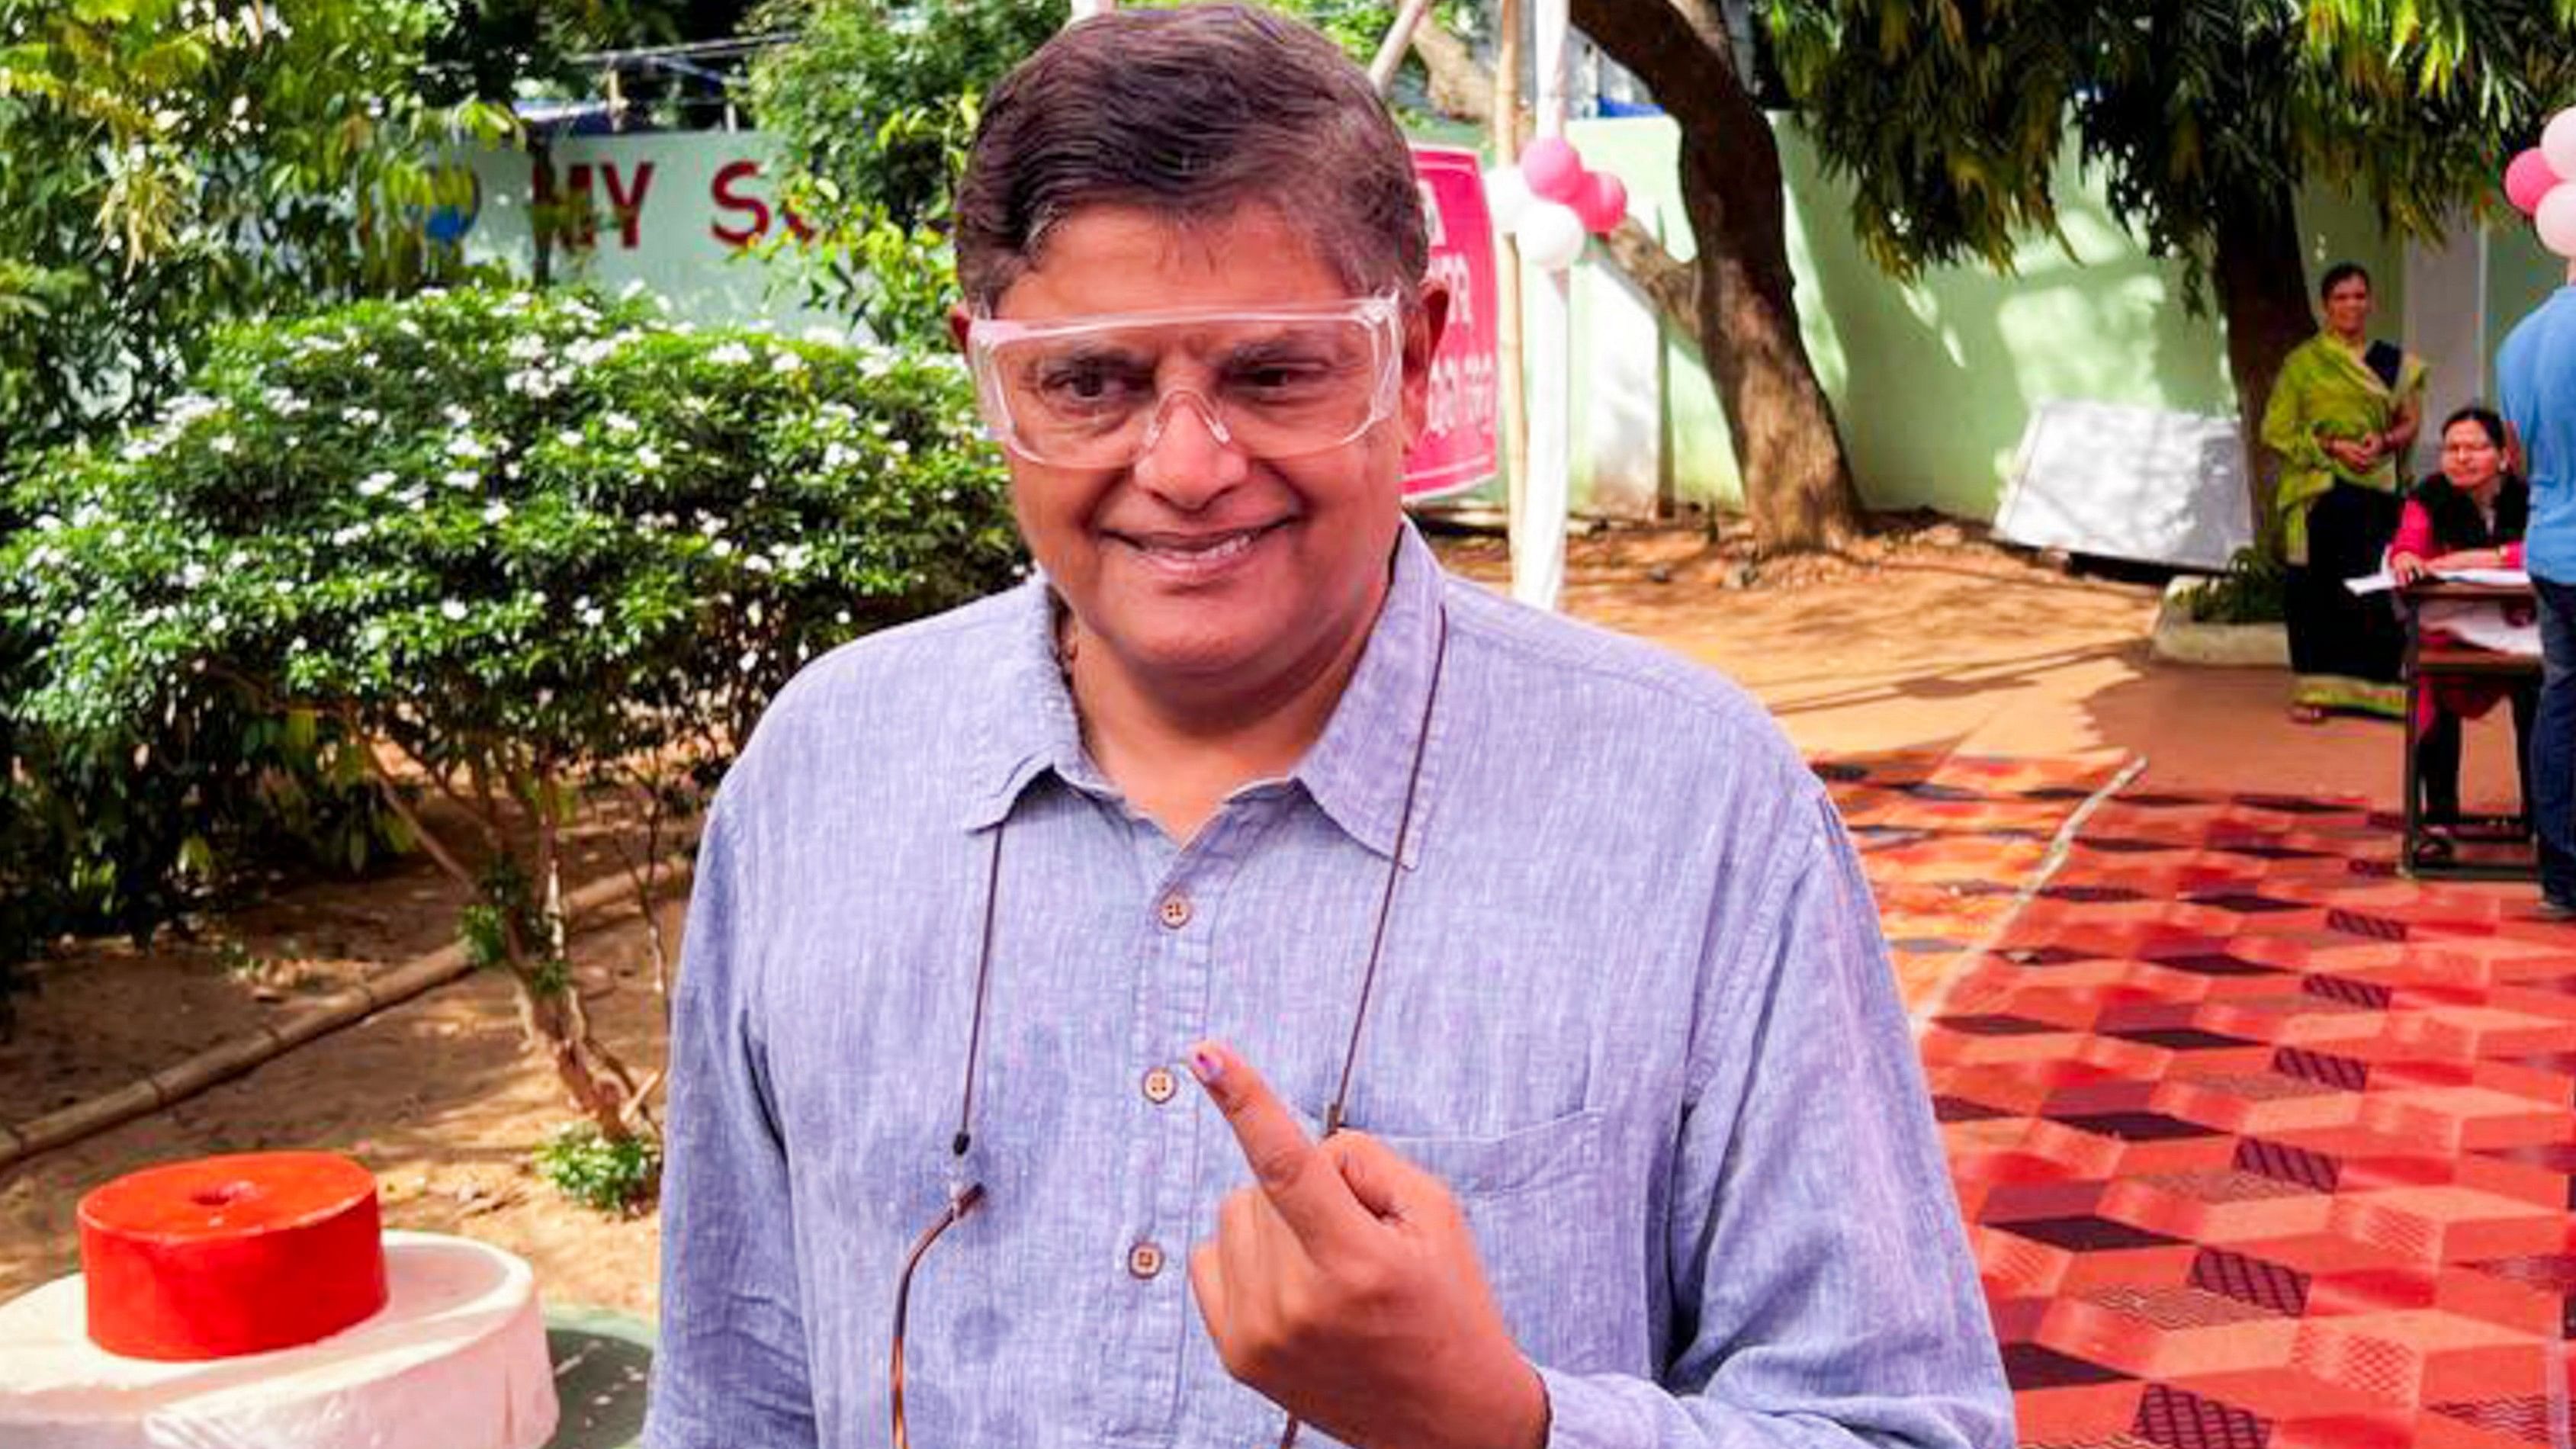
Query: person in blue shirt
(2536, 375)
(1246, 984)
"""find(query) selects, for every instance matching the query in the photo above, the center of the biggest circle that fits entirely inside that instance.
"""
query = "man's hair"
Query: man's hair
(1192, 114)
(2340, 273)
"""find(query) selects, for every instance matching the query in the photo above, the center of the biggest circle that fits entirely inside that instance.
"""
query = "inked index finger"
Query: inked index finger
(1297, 1178)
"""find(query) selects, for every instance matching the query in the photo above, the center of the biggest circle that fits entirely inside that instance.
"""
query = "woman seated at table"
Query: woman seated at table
(2469, 515)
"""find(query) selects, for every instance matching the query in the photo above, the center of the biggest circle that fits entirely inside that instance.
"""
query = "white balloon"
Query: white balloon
(2558, 143)
(1507, 196)
(2556, 219)
(1551, 235)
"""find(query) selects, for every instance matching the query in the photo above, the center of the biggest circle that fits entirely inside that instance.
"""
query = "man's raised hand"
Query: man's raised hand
(1344, 1285)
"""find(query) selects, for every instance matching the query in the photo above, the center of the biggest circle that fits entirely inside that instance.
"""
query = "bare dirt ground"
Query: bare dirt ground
(1925, 637)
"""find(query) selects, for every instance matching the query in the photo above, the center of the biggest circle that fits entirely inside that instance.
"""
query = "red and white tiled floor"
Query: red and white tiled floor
(2262, 1147)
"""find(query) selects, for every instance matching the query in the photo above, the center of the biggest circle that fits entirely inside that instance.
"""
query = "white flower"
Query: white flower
(452, 611)
(569, 438)
(731, 354)
(723, 548)
(750, 660)
(374, 484)
(786, 362)
(467, 446)
(361, 417)
(463, 478)
(193, 576)
(224, 444)
(619, 423)
(495, 511)
(648, 456)
(526, 348)
(457, 417)
(838, 456)
(591, 351)
(349, 535)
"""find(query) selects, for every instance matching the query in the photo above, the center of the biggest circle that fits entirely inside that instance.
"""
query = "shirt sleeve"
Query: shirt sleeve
(730, 1371)
(2414, 533)
(1821, 1275)
(2285, 425)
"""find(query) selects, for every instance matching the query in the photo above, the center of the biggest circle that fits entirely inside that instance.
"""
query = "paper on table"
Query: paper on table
(2382, 581)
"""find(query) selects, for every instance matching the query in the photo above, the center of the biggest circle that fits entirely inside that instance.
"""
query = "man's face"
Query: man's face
(1203, 568)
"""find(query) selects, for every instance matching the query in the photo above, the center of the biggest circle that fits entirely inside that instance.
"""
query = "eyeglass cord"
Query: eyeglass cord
(964, 1195)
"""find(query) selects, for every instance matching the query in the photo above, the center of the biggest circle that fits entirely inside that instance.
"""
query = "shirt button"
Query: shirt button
(1144, 1261)
(1174, 911)
(1160, 1084)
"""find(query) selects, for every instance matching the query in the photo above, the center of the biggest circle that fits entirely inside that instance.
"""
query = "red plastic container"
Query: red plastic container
(231, 1255)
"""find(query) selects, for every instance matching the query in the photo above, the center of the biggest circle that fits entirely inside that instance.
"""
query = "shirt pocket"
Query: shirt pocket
(1564, 1265)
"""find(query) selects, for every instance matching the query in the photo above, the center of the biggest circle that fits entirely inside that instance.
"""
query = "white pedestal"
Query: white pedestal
(456, 1360)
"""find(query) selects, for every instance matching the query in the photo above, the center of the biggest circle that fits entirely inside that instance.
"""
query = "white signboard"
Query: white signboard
(679, 212)
(2126, 482)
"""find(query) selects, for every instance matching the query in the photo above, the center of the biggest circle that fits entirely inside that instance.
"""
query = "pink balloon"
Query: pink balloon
(2527, 180)
(1603, 202)
(1552, 169)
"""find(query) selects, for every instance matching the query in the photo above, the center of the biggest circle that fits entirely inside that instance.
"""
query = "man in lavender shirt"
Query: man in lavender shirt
(1552, 1086)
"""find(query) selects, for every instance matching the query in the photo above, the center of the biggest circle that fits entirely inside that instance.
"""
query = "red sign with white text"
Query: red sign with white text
(1456, 450)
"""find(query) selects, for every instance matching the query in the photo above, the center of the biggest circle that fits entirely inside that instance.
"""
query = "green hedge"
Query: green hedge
(523, 538)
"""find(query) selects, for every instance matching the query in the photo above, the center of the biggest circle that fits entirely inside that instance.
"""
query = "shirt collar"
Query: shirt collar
(1357, 771)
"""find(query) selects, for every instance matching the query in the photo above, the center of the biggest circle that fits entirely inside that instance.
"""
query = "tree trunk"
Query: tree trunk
(1798, 489)
(2263, 291)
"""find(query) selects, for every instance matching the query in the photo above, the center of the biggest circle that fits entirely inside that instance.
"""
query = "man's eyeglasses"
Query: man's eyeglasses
(965, 1194)
(1097, 392)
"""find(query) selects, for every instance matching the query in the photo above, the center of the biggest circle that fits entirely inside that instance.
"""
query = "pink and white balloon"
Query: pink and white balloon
(1553, 169)
(2527, 180)
(1603, 203)
(2554, 214)
(1551, 199)
(2555, 219)
(1551, 236)
(2558, 143)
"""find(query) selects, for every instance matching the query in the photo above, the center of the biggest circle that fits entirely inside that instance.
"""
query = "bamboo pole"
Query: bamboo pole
(240, 1054)
(1514, 407)
(1390, 51)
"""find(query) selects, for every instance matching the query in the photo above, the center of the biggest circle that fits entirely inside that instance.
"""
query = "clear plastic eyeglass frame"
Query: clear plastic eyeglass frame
(1001, 351)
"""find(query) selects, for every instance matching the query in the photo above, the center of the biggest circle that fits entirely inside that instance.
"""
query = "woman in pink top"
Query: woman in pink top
(2469, 515)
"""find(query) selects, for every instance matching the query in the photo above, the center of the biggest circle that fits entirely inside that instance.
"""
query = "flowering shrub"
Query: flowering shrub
(523, 544)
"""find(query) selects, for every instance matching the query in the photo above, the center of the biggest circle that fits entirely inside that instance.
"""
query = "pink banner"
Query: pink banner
(1456, 451)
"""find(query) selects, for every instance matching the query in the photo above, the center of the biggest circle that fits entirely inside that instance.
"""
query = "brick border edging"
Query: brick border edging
(238, 1055)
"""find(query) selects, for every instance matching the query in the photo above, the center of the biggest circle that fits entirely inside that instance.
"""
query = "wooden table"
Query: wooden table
(2428, 666)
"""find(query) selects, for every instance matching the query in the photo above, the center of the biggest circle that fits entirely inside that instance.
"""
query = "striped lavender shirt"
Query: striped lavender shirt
(1634, 1009)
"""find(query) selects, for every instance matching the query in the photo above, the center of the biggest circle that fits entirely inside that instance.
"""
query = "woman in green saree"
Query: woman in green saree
(2343, 413)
